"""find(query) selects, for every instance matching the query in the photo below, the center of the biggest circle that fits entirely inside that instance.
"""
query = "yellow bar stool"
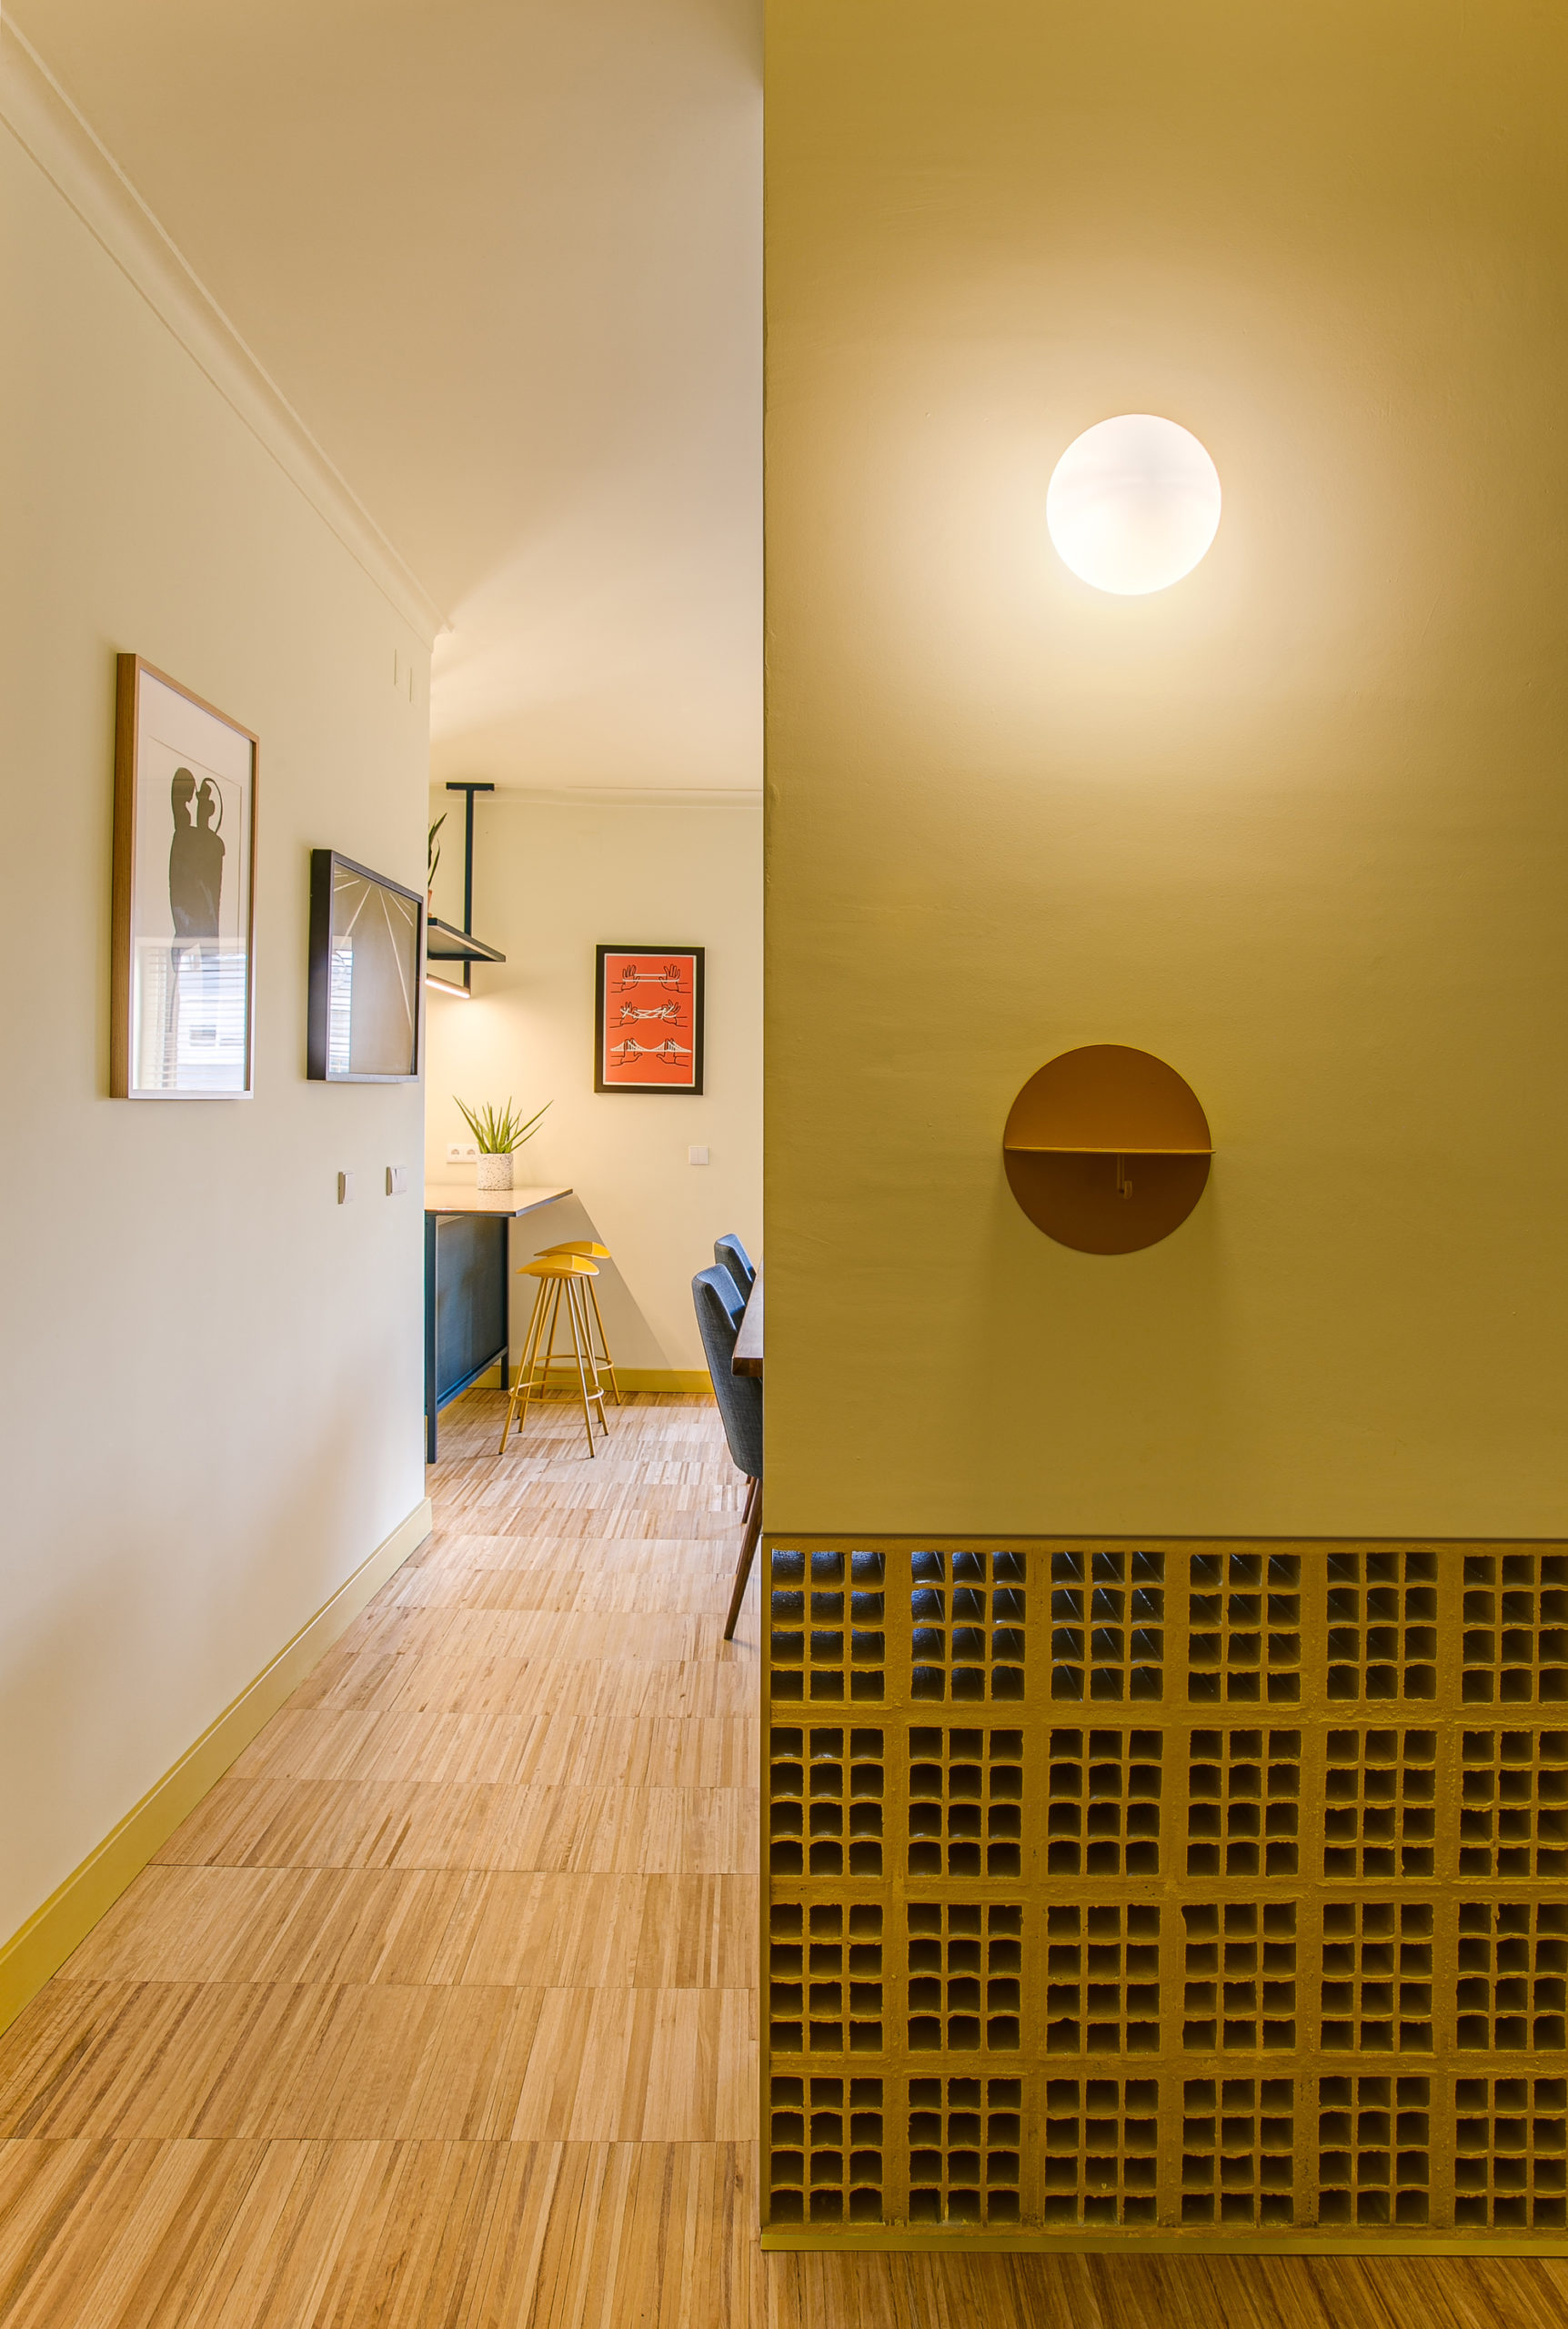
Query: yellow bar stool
(561, 1277)
(586, 1248)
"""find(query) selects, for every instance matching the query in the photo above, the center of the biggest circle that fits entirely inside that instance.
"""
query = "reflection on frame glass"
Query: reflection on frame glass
(185, 836)
(366, 937)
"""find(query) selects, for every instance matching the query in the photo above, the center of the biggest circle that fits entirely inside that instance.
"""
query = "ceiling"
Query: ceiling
(504, 257)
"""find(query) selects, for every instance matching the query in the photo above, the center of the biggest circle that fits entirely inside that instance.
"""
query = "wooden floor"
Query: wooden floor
(438, 2011)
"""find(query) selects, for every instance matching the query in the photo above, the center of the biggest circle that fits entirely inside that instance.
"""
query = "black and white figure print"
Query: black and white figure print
(196, 859)
(184, 805)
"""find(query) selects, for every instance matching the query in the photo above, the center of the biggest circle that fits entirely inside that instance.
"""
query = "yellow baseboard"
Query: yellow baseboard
(41, 1946)
(668, 1379)
(663, 1378)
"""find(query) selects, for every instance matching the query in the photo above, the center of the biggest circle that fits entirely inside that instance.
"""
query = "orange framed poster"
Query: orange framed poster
(648, 1019)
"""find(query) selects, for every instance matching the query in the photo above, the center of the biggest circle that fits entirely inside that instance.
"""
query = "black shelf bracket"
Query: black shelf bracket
(443, 943)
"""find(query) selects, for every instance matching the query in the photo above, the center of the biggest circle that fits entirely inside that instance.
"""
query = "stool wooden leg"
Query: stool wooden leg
(576, 1319)
(596, 1395)
(603, 1341)
(538, 1357)
(548, 1360)
(753, 1530)
(525, 1373)
(580, 1330)
(539, 1380)
(585, 1290)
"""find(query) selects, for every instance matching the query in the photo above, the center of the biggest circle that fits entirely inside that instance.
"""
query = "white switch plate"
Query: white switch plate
(462, 1152)
(346, 1188)
(696, 1155)
(396, 1180)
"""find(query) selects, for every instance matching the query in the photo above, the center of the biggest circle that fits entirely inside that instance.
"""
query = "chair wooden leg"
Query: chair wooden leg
(748, 1548)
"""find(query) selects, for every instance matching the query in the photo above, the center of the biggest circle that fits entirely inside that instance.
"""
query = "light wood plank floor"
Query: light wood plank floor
(439, 2013)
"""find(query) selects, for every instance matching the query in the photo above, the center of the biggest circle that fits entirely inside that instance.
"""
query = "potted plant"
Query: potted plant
(432, 859)
(497, 1132)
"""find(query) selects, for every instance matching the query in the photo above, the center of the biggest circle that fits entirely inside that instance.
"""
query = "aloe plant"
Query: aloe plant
(496, 1132)
(433, 850)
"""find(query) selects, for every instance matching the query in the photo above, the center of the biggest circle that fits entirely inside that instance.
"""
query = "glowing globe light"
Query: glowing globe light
(1133, 504)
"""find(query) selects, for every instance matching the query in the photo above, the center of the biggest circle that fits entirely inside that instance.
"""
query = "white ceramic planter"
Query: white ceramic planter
(495, 1172)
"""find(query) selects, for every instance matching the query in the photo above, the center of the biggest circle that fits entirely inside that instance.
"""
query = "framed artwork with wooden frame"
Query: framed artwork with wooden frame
(648, 1019)
(183, 965)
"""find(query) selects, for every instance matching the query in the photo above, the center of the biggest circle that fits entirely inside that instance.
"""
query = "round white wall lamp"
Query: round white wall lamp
(1133, 504)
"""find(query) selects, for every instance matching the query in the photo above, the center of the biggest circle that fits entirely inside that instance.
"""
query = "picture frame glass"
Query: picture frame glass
(373, 980)
(190, 899)
(650, 1009)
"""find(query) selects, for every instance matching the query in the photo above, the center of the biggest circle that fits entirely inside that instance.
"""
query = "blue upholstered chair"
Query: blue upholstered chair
(720, 1302)
(731, 1255)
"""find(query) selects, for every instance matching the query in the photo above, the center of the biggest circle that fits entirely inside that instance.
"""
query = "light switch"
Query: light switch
(396, 1180)
(346, 1188)
(696, 1155)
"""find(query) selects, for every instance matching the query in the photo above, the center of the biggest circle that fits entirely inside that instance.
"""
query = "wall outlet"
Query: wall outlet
(462, 1152)
(696, 1155)
(346, 1188)
(396, 1180)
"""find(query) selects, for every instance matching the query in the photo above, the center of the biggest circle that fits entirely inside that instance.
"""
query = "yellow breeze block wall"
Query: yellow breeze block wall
(1298, 825)
(1167, 1894)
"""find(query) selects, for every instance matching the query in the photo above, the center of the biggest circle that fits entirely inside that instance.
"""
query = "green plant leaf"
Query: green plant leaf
(497, 1132)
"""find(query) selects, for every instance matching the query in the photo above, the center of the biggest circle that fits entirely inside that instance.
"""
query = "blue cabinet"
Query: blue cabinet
(465, 1299)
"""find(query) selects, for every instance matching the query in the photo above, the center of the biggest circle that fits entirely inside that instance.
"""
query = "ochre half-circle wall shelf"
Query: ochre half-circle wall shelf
(1107, 1149)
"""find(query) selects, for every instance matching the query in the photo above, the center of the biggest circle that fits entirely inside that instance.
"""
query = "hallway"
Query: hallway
(441, 2002)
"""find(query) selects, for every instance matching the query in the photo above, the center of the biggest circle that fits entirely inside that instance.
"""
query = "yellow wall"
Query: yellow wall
(552, 880)
(1300, 825)
(210, 1373)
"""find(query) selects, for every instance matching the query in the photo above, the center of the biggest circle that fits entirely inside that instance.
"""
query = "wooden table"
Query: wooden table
(468, 1287)
(748, 1358)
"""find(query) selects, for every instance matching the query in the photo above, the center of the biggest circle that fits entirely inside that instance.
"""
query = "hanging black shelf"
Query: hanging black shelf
(443, 943)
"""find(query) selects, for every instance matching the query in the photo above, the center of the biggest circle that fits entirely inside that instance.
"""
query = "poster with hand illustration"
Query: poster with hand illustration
(185, 832)
(648, 1019)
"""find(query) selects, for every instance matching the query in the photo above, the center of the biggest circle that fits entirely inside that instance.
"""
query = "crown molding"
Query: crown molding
(82, 170)
(622, 796)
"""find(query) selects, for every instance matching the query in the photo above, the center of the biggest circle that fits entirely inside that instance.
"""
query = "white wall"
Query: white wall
(212, 1383)
(550, 883)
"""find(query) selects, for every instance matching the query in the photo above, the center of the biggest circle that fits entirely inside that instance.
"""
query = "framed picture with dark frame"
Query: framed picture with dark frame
(648, 1019)
(367, 974)
(183, 957)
